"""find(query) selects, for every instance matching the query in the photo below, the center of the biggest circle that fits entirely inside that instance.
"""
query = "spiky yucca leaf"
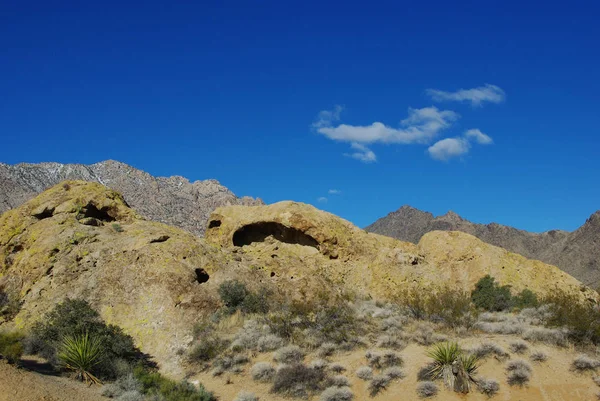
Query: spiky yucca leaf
(81, 353)
(470, 364)
(444, 355)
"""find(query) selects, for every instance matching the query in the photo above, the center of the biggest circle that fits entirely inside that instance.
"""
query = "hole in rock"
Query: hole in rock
(100, 214)
(214, 224)
(258, 232)
(44, 214)
(201, 275)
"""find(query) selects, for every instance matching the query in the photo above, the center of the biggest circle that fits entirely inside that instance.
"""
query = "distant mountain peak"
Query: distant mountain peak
(577, 253)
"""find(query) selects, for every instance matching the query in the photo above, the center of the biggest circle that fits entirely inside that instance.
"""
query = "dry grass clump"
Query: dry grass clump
(426, 372)
(584, 363)
(537, 316)
(336, 394)
(298, 380)
(326, 349)
(488, 387)
(318, 364)
(378, 384)
(487, 349)
(262, 371)
(393, 372)
(503, 327)
(556, 336)
(246, 396)
(423, 333)
(364, 373)
(427, 389)
(339, 381)
(538, 356)
(289, 354)
(390, 341)
(518, 372)
(337, 367)
(518, 347)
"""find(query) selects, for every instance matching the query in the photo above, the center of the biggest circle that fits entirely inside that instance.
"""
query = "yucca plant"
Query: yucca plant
(81, 353)
(444, 355)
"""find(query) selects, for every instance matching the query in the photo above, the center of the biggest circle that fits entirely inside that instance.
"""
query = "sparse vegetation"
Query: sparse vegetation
(585, 363)
(446, 305)
(488, 387)
(246, 396)
(377, 384)
(117, 227)
(262, 371)
(289, 354)
(336, 394)
(298, 380)
(10, 304)
(427, 389)
(518, 372)
(486, 349)
(157, 386)
(538, 356)
(364, 373)
(393, 372)
(581, 319)
(518, 347)
(339, 381)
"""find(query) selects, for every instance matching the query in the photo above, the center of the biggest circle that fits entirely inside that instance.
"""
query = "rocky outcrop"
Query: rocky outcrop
(82, 240)
(169, 200)
(577, 253)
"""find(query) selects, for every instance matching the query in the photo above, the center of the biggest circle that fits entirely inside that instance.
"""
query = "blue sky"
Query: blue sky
(289, 100)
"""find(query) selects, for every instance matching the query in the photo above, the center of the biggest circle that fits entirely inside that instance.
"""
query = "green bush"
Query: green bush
(11, 347)
(233, 293)
(525, 299)
(446, 305)
(74, 318)
(581, 318)
(154, 384)
(490, 296)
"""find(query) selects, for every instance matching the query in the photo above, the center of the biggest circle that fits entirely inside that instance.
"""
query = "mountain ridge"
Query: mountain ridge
(575, 252)
(171, 200)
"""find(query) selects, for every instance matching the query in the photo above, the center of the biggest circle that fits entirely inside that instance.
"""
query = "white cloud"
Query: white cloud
(362, 153)
(479, 137)
(421, 126)
(476, 96)
(327, 117)
(322, 199)
(448, 148)
(334, 192)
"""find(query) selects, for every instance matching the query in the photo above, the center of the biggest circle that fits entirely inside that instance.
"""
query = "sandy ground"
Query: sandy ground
(552, 380)
(19, 384)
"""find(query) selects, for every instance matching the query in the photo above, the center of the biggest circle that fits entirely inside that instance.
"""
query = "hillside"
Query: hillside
(577, 252)
(170, 200)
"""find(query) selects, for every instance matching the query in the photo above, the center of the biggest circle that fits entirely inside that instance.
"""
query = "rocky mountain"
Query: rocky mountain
(171, 200)
(577, 252)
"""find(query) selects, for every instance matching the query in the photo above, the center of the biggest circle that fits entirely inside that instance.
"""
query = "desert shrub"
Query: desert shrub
(297, 380)
(131, 396)
(117, 227)
(596, 380)
(488, 387)
(390, 358)
(554, 336)
(490, 296)
(393, 372)
(246, 396)
(424, 334)
(446, 305)
(519, 372)
(518, 347)
(124, 384)
(537, 316)
(337, 368)
(339, 381)
(156, 385)
(11, 346)
(74, 318)
(207, 349)
(364, 373)
(584, 362)
(269, 342)
(427, 389)
(336, 394)
(377, 384)
(233, 293)
(319, 364)
(390, 341)
(289, 354)
(538, 356)
(10, 304)
(582, 319)
(326, 349)
(486, 349)
(373, 358)
(525, 299)
(256, 302)
(426, 373)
